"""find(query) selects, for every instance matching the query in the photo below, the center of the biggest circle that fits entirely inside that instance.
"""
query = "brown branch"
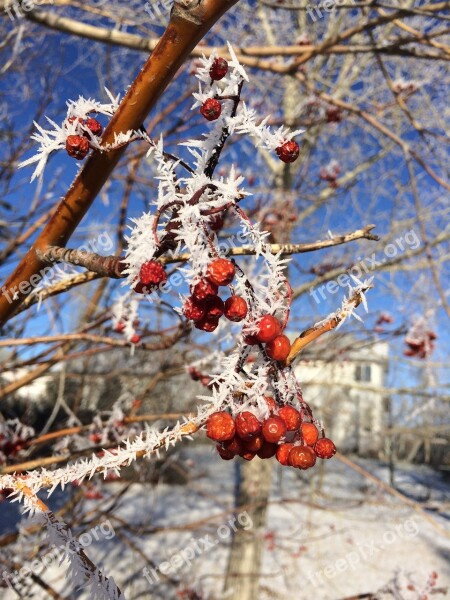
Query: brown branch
(112, 266)
(189, 22)
(105, 266)
(329, 324)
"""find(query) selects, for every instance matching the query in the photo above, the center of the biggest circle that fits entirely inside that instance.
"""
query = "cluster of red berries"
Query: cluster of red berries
(420, 348)
(330, 174)
(77, 146)
(120, 328)
(205, 307)
(294, 441)
(211, 109)
(268, 332)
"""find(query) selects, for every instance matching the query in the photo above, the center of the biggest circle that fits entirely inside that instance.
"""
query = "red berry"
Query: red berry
(204, 289)
(291, 417)
(271, 404)
(334, 114)
(279, 348)
(302, 457)
(234, 445)
(310, 433)
(207, 324)
(247, 425)
(152, 274)
(136, 338)
(288, 152)
(120, 327)
(267, 450)
(254, 444)
(72, 120)
(195, 374)
(218, 69)
(211, 109)
(273, 429)
(224, 453)
(214, 307)
(221, 271)
(325, 448)
(77, 146)
(193, 310)
(220, 426)
(248, 455)
(283, 453)
(94, 126)
(235, 308)
(268, 328)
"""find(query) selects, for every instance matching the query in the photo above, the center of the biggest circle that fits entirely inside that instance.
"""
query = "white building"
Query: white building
(345, 389)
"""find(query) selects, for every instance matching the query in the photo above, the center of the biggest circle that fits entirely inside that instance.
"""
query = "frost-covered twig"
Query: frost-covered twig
(355, 298)
(83, 572)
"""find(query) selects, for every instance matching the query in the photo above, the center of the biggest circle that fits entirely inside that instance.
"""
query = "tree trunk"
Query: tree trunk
(253, 489)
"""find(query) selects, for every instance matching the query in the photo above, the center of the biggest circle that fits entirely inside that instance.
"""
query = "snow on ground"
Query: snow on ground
(330, 533)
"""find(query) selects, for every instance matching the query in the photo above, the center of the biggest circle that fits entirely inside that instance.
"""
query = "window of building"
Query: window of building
(363, 373)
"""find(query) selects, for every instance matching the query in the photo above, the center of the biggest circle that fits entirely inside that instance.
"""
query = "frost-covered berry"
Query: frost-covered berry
(220, 427)
(288, 152)
(135, 339)
(279, 348)
(235, 308)
(120, 327)
(204, 289)
(77, 146)
(218, 69)
(283, 451)
(247, 425)
(213, 307)
(271, 404)
(211, 109)
(310, 433)
(268, 328)
(206, 324)
(221, 271)
(152, 274)
(325, 448)
(193, 310)
(273, 429)
(291, 417)
(94, 126)
(302, 457)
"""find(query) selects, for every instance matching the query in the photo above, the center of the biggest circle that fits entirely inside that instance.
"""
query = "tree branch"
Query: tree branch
(189, 22)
